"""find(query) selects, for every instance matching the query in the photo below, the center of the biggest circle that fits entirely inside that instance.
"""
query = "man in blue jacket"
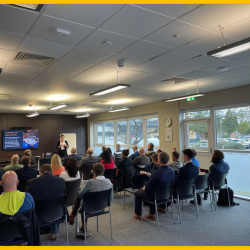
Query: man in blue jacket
(135, 154)
(164, 174)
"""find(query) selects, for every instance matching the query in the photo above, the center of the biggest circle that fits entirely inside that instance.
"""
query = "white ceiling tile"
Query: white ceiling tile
(207, 43)
(151, 67)
(171, 10)
(16, 20)
(5, 55)
(175, 56)
(85, 55)
(128, 61)
(71, 85)
(98, 37)
(87, 77)
(24, 69)
(43, 47)
(175, 71)
(210, 16)
(2, 65)
(102, 71)
(145, 50)
(186, 32)
(197, 74)
(46, 26)
(87, 14)
(135, 22)
(9, 40)
(228, 65)
(243, 60)
(15, 76)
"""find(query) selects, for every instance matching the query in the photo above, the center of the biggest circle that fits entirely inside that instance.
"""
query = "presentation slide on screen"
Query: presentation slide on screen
(20, 139)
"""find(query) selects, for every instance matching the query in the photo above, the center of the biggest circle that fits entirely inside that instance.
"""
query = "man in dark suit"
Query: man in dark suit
(135, 154)
(26, 173)
(72, 155)
(47, 186)
(164, 174)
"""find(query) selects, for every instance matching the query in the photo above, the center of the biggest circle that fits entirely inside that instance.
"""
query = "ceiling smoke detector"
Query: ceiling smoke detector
(107, 43)
(120, 63)
(176, 35)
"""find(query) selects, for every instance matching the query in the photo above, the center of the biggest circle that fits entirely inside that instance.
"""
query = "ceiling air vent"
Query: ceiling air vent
(27, 58)
(177, 80)
(98, 101)
(5, 95)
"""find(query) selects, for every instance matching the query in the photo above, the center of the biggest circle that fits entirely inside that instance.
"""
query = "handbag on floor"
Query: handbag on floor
(223, 198)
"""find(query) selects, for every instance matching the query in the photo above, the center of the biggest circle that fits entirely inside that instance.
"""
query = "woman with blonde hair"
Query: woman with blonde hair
(56, 165)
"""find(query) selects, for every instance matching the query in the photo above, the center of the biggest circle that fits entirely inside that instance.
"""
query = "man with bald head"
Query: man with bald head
(142, 159)
(11, 200)
(72, 155)
(14, 164)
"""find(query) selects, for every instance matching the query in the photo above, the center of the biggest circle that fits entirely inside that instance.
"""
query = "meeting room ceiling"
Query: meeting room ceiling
(155, 42)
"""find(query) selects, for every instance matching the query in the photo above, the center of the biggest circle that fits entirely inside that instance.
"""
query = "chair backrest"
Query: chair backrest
(86, 169)
(118, 158)
(51, 209)
(42, 161)
(139, 181)
(185, 187)
(142, 166)
(201, 182)
(128, 173)
(219, 180)
(163, 191)
(95, 201)
(110, 174)
(72, 187)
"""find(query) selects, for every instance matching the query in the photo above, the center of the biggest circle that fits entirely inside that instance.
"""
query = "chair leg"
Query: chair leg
(182, 205)
(111, 230)
(196, 205)
(97, 223)
(67, 233)
(173, 207)
(210, 200)
(141, 211)
(228, 197)
(179, 205)
(117, 195)
(77, 224)
(85, 230)
(157, 217)
(123, 199)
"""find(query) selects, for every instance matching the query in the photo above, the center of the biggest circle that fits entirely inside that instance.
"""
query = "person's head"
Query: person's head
(125, 153)
(118, 146)
(9, 181)
(195, 153)
(142, 151)
(26, 160)
(175, 156)
(62, 137)
(56, 162)
(73, 151)
(71, 167)
(217, 156)
(154, 158)
(28, 152)
(106, 157)
(14, 159)
(188, 154)
(103, 148)
(89, 151)
(98, 169)
(110, 151)
(135, 148)
(46, 168)
(158, 151)
(163, 159)
(150, 146)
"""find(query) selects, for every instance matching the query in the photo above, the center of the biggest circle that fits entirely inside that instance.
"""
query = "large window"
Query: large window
(127, 132)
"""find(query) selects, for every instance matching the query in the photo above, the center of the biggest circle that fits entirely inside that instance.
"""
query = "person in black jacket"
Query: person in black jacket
(46, 187)
(125, 162)
(28, 152)
(72, 155)
(62, 146)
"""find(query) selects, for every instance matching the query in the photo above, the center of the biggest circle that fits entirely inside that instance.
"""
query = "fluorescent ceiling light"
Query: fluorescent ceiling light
(111, 89)
(119, 101)
(184, 97)
(82, 116)
(36, 7)
(231, 49)
(60, 106)
(33, 114)
(118, 110)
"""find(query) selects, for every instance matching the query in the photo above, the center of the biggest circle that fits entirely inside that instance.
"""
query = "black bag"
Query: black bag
(223, 198)
(119, 179)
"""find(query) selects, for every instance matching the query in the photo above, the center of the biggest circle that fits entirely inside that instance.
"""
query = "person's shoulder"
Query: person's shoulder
(28, 196)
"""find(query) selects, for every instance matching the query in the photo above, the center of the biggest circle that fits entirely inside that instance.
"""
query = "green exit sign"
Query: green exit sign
(190, 99)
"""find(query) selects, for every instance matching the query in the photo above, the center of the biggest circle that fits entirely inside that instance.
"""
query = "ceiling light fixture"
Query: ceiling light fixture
(32, 114)
(118, 110)
(35, 7)
(197, 94)
(83, 116)
(60, 106)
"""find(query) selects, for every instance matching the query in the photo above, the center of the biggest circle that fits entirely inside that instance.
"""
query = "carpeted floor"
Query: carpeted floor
(226, 226)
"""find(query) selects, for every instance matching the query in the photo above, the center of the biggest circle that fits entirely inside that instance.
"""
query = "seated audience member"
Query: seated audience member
(158, 151)
(176, 164)
(125, 162)
(26, 173)
(71, 170)
(112, 155)
(152, 166)
(135, 154)
(11, 200)
(56, 165)
(46, 187)
(72, 155)
(164, 174)
(107, 160)
(14, 164)
(196, 162)
(150, 151)
(118, 149)
(103, 148)
(28, 152)
(142, 159)
(189, 171)
(88, 160)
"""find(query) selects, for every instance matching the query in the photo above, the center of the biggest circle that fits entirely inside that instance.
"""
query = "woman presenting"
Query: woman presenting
(62, 146)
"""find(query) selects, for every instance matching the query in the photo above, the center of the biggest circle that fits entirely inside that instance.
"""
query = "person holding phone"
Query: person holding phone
(62, 146)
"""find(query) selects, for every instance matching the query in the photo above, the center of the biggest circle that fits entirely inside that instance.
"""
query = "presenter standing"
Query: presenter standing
(62, 146)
